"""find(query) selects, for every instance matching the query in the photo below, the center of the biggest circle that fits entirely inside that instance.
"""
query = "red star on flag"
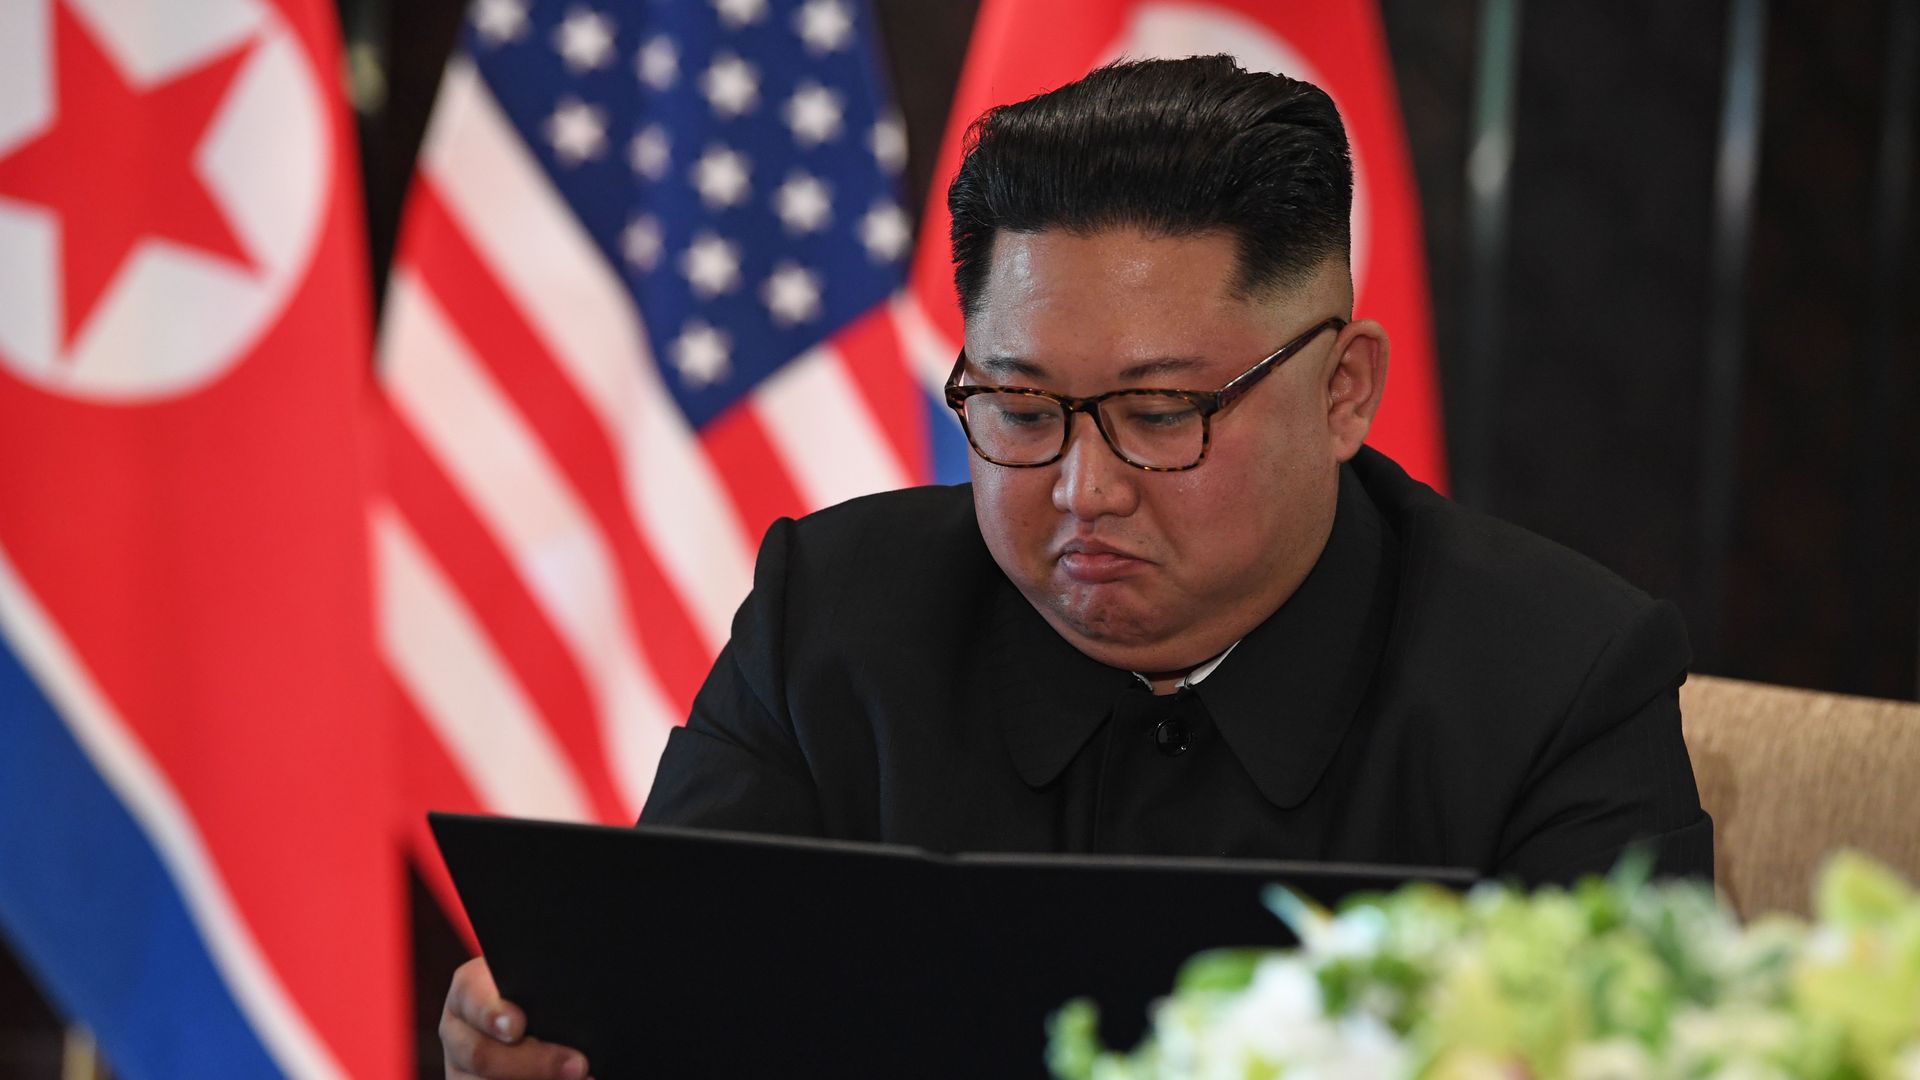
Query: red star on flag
(116, 166)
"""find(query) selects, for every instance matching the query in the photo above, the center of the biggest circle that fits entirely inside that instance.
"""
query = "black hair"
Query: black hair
(1173, 147)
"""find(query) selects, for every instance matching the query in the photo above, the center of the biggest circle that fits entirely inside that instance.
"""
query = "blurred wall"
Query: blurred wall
(1606, 313)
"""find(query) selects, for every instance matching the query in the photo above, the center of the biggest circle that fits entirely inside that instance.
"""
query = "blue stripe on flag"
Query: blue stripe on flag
(92, 913)
(949, 443)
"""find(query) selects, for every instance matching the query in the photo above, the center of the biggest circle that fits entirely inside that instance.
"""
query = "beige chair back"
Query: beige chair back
(1791, 775)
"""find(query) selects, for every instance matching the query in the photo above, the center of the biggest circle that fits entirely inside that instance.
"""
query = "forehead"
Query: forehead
(1055, 268)
(1090, 305)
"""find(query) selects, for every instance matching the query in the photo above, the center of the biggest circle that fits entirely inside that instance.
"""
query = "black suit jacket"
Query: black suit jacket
(1443, 689)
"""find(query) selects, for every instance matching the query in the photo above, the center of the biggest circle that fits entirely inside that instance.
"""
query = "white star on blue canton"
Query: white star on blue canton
(825, 25)
(803, 203)
(739, 13)
(711, 265)
(700, 354)
(650, 152)
(888, 141)
(641, 242)
(731, 86)
(735, 160)
(577, 131)
(813, 113)
(584, 39)
(500, 21)
(720, 176)
(885, 232)
(792, 294)
(658, 63)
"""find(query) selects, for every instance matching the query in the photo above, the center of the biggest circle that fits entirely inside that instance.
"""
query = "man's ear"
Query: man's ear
(1355, 385)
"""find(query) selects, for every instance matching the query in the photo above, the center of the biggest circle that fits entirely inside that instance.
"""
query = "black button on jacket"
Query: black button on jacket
(1444, 689)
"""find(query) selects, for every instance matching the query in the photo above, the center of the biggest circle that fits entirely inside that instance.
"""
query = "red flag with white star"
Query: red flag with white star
(197, 863)
(108, 132)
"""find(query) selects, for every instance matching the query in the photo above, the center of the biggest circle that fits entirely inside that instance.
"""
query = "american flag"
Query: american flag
(646, 302)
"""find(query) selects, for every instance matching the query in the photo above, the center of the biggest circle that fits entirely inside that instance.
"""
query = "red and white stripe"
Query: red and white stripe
(558, 553)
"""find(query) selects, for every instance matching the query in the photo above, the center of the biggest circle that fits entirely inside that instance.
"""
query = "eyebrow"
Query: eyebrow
(1001, 367)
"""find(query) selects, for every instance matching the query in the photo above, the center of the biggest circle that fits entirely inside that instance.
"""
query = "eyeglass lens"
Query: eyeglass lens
(1159, 431)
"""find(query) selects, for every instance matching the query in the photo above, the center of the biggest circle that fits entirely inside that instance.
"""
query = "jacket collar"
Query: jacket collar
(1283, 700)
(1049, 696)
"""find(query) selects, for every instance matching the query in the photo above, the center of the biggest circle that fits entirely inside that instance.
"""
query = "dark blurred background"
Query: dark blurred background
(1674, 297)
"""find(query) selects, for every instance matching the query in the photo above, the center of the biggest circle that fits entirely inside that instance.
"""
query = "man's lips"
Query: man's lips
(1093, 562)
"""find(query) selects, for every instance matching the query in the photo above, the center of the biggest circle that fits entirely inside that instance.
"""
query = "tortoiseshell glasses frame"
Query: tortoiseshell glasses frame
(1204, 402)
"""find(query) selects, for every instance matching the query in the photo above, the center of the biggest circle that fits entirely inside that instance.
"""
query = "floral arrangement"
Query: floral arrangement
(1616, 978)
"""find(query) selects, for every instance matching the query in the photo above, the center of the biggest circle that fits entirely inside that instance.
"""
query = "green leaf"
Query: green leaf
(1299, 913)
(1854, 890)
(1073, 1040)
(1222, 970)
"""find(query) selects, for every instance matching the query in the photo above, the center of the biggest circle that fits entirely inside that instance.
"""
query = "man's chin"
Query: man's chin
(1107, 622)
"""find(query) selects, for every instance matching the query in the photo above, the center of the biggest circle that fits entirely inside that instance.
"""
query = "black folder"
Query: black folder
(664, 952)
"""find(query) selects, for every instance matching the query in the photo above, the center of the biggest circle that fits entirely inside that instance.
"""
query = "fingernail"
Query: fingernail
(502, 1026)
(575, 1068)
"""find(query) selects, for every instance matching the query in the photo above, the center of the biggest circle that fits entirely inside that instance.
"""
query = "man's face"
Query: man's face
(1156, 572)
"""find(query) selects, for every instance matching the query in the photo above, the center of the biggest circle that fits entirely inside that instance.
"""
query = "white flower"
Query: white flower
(1277, 1024)
(1356, 932)
(1470, 975)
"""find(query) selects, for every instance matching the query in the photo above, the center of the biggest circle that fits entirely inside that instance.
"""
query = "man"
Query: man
(1164, 619)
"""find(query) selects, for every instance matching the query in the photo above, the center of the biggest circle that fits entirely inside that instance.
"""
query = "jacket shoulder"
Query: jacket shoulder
(884, 535)
(1538, 673)
(1459, 560)
(1509, 619)
(893, 562)
(942, 508)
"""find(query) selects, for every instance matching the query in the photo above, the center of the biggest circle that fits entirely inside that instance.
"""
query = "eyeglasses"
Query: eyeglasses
(1156, 430)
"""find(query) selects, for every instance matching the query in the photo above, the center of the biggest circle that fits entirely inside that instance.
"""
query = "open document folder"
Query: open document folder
(665, 952)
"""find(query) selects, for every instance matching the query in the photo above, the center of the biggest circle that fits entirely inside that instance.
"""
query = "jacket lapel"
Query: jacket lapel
(1284, 698)
(1049, 698)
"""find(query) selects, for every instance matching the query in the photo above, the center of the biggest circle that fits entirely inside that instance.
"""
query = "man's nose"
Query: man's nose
(1093, 481)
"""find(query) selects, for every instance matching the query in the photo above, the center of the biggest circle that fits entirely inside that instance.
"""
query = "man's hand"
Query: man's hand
(484, 1036)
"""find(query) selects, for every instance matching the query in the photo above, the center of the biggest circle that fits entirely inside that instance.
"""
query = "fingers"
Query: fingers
(473, 1000)
(482, 1035)
(476, 1057)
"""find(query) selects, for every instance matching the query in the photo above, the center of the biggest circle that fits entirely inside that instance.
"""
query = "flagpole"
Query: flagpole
(1489, 168)
(1875, 494)
(1737, 167)
(80, 1057)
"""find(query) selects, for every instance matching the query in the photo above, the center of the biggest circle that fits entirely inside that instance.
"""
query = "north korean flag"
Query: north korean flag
(194, 774)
